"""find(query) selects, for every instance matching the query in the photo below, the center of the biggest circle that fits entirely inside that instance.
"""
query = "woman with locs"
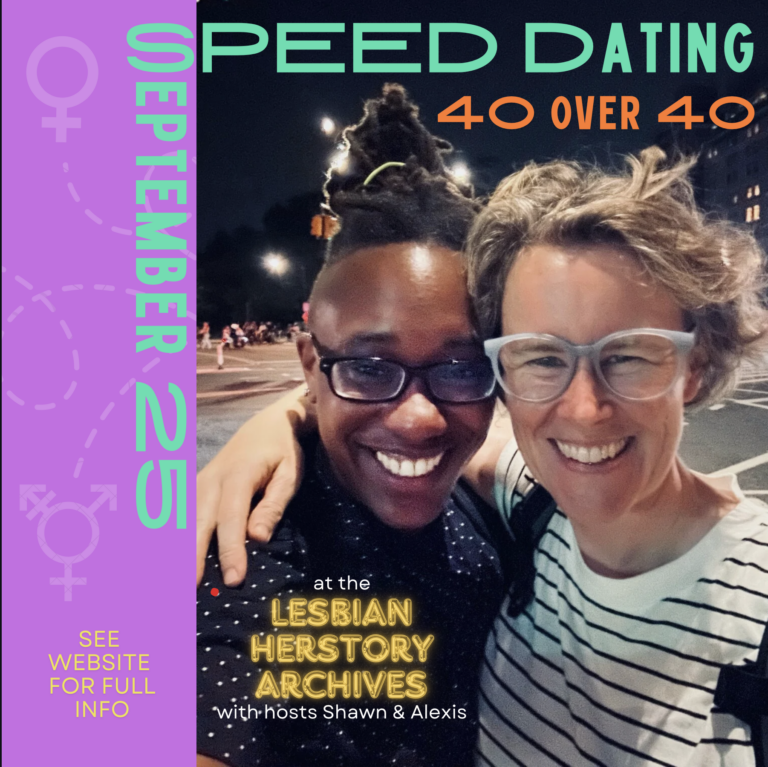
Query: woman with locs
(403, 396)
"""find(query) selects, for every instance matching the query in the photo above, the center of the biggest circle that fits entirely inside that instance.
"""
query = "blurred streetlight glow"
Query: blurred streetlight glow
(340, 160)
(276, 264)
(460, 172)
(327, 126)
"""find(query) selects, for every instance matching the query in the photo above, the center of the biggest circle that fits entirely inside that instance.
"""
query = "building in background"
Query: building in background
(732, 177)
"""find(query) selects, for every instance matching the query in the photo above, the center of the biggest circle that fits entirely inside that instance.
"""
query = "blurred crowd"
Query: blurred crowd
(235, 336)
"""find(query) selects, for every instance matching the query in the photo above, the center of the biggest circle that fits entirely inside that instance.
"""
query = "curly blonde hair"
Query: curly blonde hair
(714, 269)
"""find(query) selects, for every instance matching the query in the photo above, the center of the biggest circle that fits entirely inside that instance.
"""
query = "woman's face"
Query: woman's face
(407, 303)
(582, 294)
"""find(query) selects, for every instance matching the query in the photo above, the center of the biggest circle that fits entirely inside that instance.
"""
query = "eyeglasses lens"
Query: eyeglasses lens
(367, 379)
(639, 366)
(636, 366)
(462, 381)
(535, 369)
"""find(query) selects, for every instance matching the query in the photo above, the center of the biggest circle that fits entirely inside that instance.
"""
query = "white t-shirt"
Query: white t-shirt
(622, 672)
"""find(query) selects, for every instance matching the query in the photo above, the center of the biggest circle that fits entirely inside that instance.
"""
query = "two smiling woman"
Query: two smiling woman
(613, 304)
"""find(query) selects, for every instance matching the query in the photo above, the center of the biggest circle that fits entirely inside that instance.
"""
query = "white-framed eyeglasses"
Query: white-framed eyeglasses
(636, 364)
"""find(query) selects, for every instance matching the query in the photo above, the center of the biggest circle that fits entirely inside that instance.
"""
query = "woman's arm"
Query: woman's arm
(480, 472)
(206, 761)
(264, 455)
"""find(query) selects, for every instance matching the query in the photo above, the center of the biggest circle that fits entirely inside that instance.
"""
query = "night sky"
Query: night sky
(259, 141)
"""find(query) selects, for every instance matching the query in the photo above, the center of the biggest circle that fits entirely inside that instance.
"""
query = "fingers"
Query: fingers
(269, 511)
(232, 518)
(208, 492)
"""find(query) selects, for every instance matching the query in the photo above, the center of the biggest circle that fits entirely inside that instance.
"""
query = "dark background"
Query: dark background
(262, 156)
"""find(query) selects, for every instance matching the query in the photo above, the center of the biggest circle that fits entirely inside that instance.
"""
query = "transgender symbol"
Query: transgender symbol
(61, 122)
(27, 494)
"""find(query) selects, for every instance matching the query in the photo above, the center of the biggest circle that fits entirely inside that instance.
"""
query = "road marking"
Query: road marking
(719, 406)
(749, 403)
(755, 492)
(750, 463)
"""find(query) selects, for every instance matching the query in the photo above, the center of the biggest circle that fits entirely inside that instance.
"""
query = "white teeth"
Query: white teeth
(405, 467)
(591, 454)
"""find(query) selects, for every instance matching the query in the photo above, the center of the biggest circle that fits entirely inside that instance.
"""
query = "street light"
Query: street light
(276, 264)
(460, 172)
(340, 159)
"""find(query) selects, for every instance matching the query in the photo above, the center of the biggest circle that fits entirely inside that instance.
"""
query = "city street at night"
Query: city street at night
(250, 380)
(731, 436)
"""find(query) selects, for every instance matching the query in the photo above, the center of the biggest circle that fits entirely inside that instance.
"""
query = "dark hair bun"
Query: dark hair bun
(420, 202)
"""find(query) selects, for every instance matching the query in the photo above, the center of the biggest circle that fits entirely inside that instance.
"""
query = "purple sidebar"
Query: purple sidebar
(77, 558)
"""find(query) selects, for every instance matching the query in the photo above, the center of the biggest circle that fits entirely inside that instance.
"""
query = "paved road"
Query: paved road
(251, 380)
(731, 435)
(734, 434)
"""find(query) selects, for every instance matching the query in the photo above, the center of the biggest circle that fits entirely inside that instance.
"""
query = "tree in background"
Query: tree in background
(232, 282)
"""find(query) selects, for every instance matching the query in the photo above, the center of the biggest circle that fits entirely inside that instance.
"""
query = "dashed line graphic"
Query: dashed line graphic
(120, 229)
(88, 212)
(15, 313)
(126, 387)
(42, 298)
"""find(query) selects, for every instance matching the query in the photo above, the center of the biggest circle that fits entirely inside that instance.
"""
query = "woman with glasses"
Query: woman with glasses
(613, 305)
(402, 393)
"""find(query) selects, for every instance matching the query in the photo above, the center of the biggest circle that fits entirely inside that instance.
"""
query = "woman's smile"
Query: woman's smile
(596, 454)
(408, 467)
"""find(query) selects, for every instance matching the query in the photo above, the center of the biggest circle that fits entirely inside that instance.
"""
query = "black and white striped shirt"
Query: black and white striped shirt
(622, 672)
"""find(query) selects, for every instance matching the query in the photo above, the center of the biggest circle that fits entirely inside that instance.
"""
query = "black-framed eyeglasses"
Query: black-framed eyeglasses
(637, 364)
(375, 379)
